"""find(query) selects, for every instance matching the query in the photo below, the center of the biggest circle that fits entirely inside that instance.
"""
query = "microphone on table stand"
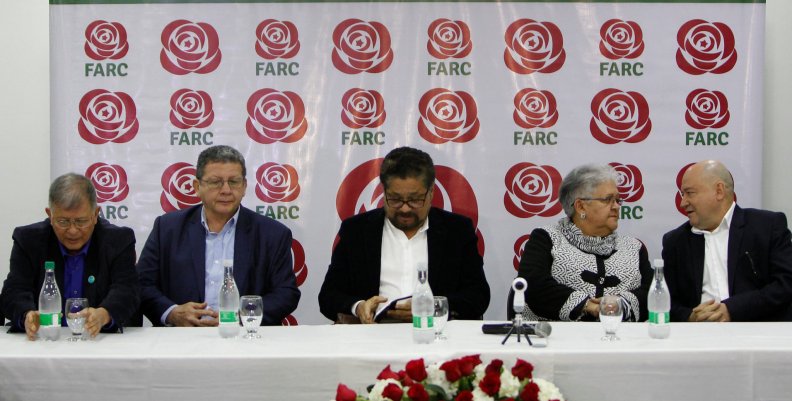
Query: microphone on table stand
(519, 285)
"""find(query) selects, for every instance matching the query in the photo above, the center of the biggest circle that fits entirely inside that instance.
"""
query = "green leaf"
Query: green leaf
(436, 393)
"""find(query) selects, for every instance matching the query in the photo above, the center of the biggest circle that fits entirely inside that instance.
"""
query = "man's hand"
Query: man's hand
(592, 307)
(190, 315)
(365, 309)
(31, 324)
(402, 312)
(710, 311)
(95, 319)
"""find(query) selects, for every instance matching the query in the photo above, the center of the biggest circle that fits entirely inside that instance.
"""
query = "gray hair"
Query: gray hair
(219, 154)
(71, 189)
(581, 183)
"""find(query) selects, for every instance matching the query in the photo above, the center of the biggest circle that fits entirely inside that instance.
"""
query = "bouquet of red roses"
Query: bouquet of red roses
(462, 379)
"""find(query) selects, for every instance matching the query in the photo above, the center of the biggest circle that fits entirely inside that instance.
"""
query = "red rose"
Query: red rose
(190, 47)
(705, 47)
(416, 369)
(344, 393)
(494, 367)
(277, 183)
(387, 373)
(447, 116)
(519, 248)
(468, 363)
(532, 190)
(191, 109)
(360, 46)
(275, 116)
(417, 392)
(535, 109)
(110, 181)
(105, 40)
(107, 117)
(619, 116)
(178, 190)
(299, 267)
(405, 380)
(530, 392)
(629, 181)
(362, 109)
(533, 47)
(522, 370)
(392, 391)
(490, 384)
(451, 369)
(464, 395)
(678, 197)
(707, 109)
(276, 39)
(449, 39)
(621, 39)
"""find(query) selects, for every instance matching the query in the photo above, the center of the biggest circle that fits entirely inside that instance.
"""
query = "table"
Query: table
(704, 361)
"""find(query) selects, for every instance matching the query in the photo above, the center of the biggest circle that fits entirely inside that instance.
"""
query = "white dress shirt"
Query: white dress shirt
(715, 285)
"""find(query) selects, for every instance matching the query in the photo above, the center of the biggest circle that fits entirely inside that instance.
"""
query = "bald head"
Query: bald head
(707, 193)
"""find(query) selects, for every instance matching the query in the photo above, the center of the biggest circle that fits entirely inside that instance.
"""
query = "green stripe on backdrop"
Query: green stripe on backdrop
(388, 1)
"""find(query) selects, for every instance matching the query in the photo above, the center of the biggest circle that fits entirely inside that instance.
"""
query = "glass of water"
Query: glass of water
(440, 317)
(75, 317)
(251, 312)
(611, 313)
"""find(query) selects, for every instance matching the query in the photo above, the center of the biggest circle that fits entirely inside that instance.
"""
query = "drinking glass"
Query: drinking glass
(440, 316)
(75, 317)
(251, 312)
(611, 312)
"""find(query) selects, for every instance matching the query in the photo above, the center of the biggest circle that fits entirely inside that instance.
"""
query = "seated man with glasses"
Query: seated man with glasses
(181, 267)
(93, 259)
(375, 258)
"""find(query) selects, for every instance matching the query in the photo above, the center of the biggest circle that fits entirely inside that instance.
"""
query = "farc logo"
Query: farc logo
(105, 40)
(190, 47)
(533, 46)
(107, 117)
(298, 259)
(178, 191)
(621, 39)
(275, 116)
(535, 108)
(110, 181)
(449, 39)
(619, 116)
(360, 46)
(678, 197)
(629, 181)
(277, 39)
(447, 116)
(191, 109)
(532, 190)
(519, 248)
(277, 183)
(362, 108)
(705, 47)
(706, 109)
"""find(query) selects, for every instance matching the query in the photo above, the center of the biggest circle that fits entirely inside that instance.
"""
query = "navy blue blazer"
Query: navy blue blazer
(172, 267)
(456, 270)
(759, 267)
(110, 260)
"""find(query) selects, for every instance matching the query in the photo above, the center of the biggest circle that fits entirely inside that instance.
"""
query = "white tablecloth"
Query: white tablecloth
(734, 361)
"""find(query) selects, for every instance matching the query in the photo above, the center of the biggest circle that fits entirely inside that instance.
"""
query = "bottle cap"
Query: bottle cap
(658, 263)
(228, 262)
(49, 265)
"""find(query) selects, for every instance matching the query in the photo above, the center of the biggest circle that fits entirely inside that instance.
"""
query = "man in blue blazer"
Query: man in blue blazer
(726, 263)
(377, 252)
(181, 267)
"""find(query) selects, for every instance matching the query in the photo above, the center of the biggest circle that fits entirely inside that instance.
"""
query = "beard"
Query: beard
(405, 221)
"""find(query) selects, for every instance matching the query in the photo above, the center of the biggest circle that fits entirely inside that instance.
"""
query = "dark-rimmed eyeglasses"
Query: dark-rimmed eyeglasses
(397, 203)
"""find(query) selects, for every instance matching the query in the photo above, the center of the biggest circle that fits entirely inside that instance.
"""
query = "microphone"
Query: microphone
(519, 285)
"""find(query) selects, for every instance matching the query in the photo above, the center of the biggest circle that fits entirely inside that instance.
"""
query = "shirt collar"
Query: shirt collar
(724, 225)
(391, 227)
(230, 223)
(82, 252)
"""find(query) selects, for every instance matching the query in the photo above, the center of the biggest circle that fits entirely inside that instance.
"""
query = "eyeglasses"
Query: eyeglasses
(233, 183)
(397, 203)
(66, 223)
(608, 200)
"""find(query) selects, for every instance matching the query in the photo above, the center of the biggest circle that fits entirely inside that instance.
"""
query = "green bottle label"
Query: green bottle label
(49, 319)
(659, 317)
(425, 322)
(228, 316)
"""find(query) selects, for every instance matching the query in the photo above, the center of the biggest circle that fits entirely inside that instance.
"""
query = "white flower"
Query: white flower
(548, 391)
(438, 377)
(479, 372)
(510, 385)
(479, 395)
(376, 391)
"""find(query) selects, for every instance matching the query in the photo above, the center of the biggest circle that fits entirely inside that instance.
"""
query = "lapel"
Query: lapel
(372, 237)
(243, 259)
(54, 254)
(436, 236)
(695, 246)
(196, 244)
(91, 266)
(736, 229)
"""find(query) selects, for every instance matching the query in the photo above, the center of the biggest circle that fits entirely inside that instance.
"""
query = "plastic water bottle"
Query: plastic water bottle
(49, 305)
(659, 304)
(423, 309)
(229, 302)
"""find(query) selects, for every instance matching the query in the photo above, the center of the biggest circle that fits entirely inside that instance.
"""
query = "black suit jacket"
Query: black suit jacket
(759, 267)
(455, 266)
(110, 260)
(172, 267)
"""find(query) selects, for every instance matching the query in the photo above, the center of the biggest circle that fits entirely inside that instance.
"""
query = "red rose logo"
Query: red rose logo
(191, 109)
(298, 258)
(289, 321)
(449, 39)
(361, 46)
(110, 181)
(621, 39)
(276, 39)
(678, 197)
(519, 248)
(277, 183)
(533, 47)
(532, 190)
(178, 190)
(705, 47)
(619, 117)
(275, 116)
(706, 109)
(447, 116)
(362, 109)
(107, 117)
(105, 40)
(629, 181)
(535, 109)
(190, 47)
